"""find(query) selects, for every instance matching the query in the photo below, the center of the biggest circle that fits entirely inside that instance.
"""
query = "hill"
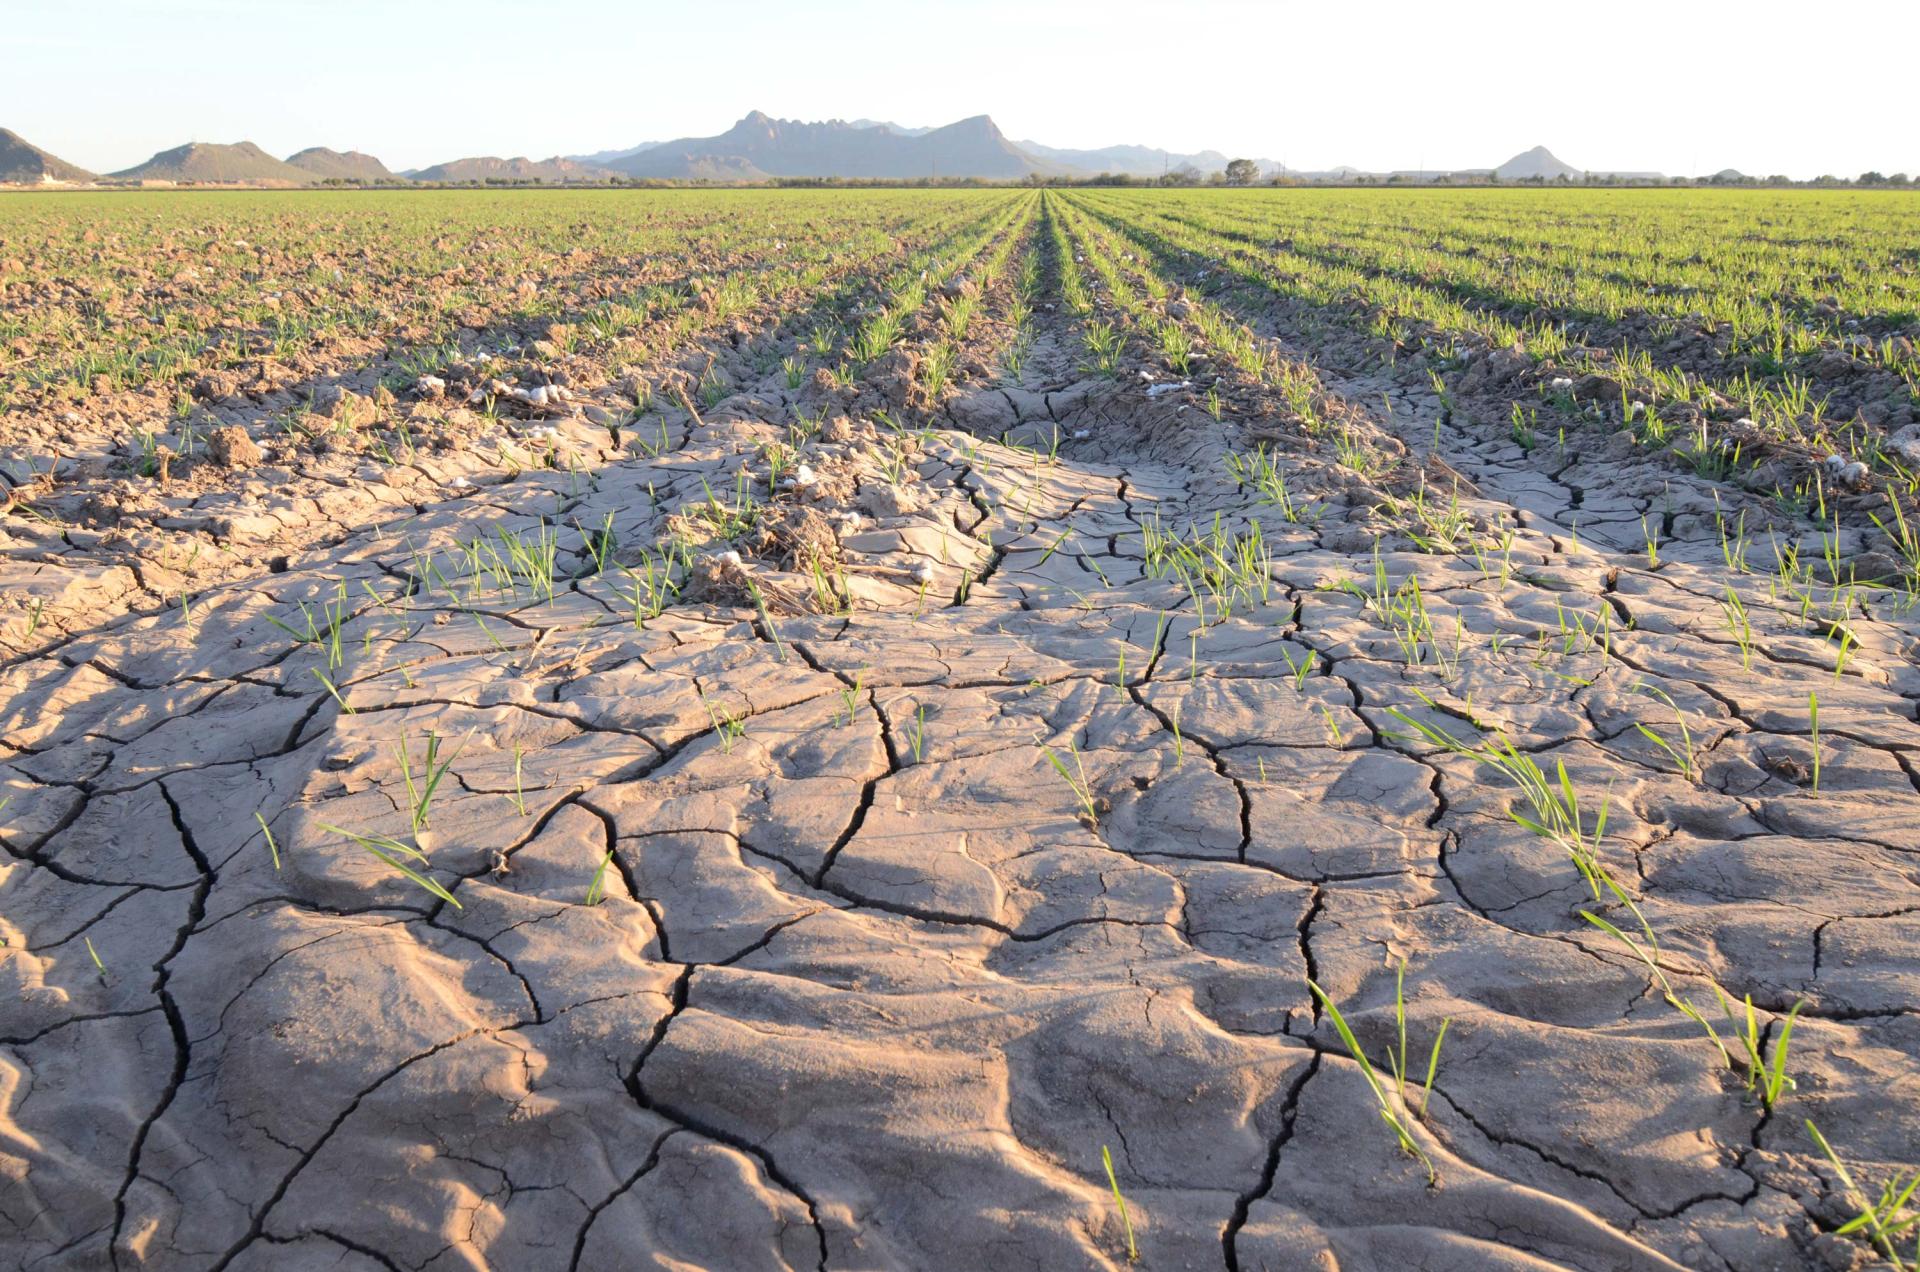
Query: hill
(324, 164)
(23, 163)
(1538, 162)
(490, 168)
(760, 146)
(242, 163)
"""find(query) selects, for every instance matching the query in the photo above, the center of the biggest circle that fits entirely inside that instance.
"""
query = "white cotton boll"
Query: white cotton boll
(804, 476)
(1744, 422)
(483, 356)
(558, 393)
(431, 385)
(461, 483)
(1836, 462)
(728, 558)
(1560, 384)
(923, 574)
(1635, 410)
(1082, 434)
(1854, 474)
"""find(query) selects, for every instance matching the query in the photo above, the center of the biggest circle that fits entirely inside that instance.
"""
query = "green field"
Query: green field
(1771, 305)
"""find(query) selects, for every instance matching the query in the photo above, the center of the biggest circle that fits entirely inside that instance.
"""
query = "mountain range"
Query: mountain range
(554, 170)
(972, 147)
(1140, 161)
(757, 148)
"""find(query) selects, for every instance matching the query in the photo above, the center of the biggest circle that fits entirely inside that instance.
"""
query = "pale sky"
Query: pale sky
(1683, 86)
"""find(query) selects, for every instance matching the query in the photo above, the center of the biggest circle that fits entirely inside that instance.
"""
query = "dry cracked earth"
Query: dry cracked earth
(768, 938)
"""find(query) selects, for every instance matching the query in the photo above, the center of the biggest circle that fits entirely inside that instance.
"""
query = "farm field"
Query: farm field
(1267, 729)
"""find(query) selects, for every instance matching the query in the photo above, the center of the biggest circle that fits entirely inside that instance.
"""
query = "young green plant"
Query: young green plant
(1393, 1108)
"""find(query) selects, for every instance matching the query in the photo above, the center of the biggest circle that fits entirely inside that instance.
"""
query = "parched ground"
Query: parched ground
(839, 908)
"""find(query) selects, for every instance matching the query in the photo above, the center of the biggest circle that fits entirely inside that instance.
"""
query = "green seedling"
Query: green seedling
(1766, 1078)
(1681, 755)
(272, 848)
(333, 690)
(1335, 734)
(319, 627)
(1392, 1107)
(1299, 669)
(1398, 1055)
(1739, 626)
(519, 797)
(597, 886)
(397, 855)
(1813, 730)
(1843, 653)
(766, 622)
(917, 731)
(850, 695)
(1076, 778)
(1884, 1220)
(420, 790)
(1555, 805)
(1133, 1251)
(727, 727)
